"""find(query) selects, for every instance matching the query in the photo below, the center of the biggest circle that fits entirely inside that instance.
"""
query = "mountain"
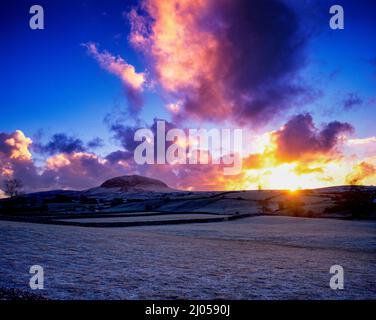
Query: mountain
(130, 184)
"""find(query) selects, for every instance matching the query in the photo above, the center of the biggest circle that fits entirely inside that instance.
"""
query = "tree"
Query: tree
(265, 206)
(12, 187)
(357, 201)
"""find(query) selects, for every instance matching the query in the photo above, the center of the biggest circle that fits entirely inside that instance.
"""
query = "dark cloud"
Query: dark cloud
(124, 134)
(63, 143)
(351, 101)
(300, 138)
(119, 155)
(60, 143)
(95, 143)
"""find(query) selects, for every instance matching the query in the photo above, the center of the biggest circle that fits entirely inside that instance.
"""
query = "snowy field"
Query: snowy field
(253, 258)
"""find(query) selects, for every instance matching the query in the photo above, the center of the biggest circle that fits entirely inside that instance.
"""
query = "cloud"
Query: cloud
(299, 138)
(180, 176)
(351, 101)
(224, 59)
(361, 172)
(95, 143)
(120, 155)
(174, 107)
(124, 134)
(15, 146)
(16, 159)
(298, 154)
(80, 170)
(139, 29)
(68, 167)
(60, 143)
(63, 143)
(362, 141)
(133, 81)
(190, 177)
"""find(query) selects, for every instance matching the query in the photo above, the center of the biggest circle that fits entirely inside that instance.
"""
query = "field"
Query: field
(261, 257)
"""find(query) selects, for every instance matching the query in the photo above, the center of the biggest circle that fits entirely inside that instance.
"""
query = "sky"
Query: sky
(73, 94)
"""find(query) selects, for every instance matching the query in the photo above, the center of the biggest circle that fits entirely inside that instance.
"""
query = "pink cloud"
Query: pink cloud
(119, 67)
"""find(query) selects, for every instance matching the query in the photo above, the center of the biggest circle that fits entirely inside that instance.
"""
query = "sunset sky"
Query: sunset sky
(73, 94)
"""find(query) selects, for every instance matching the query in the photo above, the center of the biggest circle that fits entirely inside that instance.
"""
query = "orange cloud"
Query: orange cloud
(177, 43)
(185, 54)
(361, 172)
(57, 161)
(174, 107)
(19, 146)
(117, 66)
(7, 172)
(14, 152)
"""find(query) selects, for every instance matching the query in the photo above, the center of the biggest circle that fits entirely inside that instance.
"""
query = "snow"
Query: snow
(253, 258)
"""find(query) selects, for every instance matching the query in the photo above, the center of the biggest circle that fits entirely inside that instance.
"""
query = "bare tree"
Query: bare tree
(12, 187)
(265, 206)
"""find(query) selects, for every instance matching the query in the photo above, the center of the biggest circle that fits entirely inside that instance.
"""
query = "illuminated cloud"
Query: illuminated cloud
(300, 141)
(14, 150)
(361, 172)
(185, 176)
(362, 141)
(362, 147)
(223, 59)
(297, 155)
(70, 169)
(80, 170)
(16, 145)
(139, 31)
(16, 159)
(133, 81)
(117, 66)
(57, 161)
(174, 107)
